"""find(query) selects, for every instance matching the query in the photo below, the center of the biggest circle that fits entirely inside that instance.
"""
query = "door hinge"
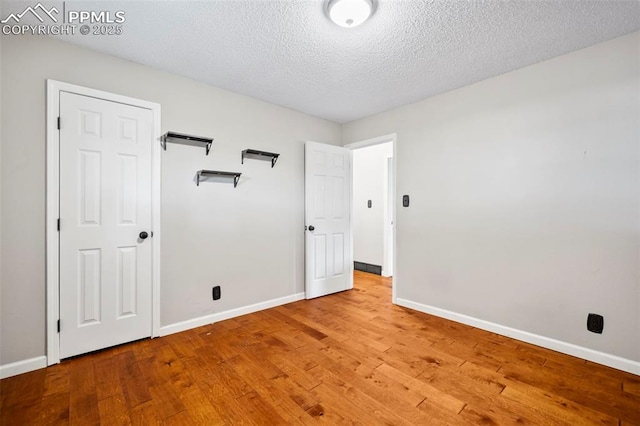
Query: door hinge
(58, 224)
(58, 123)
(58, 326)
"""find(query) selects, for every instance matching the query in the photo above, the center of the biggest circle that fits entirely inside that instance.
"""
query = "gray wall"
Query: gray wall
(525, 204)
(525, 197)
(1, 202)
(249, 239)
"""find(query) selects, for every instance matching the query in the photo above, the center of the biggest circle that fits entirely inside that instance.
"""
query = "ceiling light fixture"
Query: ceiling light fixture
(349, 13)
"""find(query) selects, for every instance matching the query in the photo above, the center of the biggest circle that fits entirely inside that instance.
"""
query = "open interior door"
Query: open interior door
(329, 267)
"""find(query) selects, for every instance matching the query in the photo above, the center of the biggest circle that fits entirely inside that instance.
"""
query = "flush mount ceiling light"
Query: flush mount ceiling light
(349, 13)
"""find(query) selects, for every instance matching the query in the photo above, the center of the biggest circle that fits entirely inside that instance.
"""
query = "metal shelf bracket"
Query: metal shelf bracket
(259, 155)
(218, 174)
(183, 139)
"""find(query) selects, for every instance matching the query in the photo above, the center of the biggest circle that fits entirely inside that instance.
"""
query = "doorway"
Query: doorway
(373, 206)
(103, 207)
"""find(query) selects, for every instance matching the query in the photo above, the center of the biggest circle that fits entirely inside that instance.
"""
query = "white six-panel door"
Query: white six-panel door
(105, 203)
(329, 267)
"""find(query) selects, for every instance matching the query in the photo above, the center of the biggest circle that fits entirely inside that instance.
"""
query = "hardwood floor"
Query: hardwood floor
(351, 357)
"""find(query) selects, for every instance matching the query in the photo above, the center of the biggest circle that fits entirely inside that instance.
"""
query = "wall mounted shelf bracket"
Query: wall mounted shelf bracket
(220, 175)
(180, 138)
(260, 155)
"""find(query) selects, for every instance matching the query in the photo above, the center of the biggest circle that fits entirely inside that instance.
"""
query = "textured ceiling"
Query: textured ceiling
(288, 53)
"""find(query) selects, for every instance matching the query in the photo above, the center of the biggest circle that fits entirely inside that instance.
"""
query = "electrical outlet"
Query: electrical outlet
(216, 293)
(595, 323)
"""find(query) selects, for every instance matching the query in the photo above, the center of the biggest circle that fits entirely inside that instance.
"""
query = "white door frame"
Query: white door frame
(363, 144)
(388, 198)
(53, 207)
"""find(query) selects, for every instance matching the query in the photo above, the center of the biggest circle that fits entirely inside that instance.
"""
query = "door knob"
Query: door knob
(143, 235)
(311, 228)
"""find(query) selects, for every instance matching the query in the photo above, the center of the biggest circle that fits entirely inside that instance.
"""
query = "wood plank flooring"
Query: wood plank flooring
(351, 357)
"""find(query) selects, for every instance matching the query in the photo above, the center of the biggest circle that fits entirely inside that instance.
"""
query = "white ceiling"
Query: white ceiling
(288, 53)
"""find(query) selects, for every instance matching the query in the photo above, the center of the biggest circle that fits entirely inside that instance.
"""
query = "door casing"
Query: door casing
(388, 198)
(363, 144)
(53, 207)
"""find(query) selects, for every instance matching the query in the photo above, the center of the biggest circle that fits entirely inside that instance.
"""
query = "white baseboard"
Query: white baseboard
(609, 360)
(232, 313)
(24, 366)
(37, 363)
